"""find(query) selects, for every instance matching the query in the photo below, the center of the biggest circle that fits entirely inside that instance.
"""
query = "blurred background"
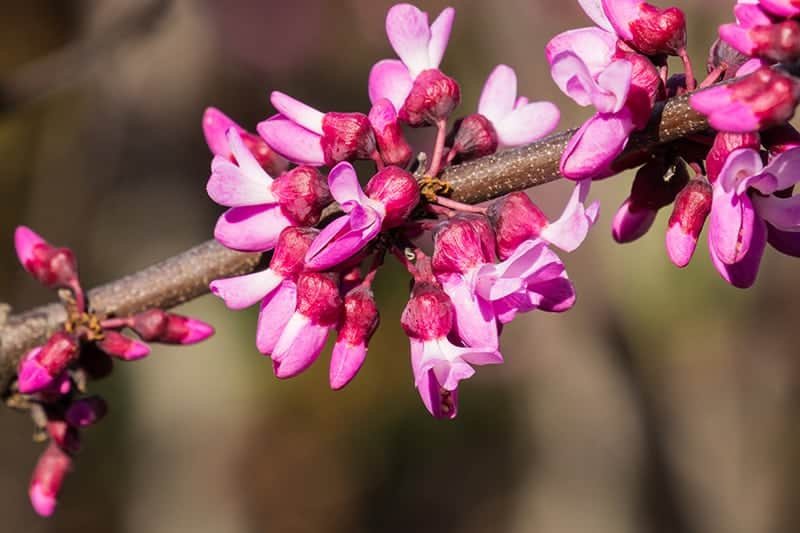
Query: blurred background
(665, 401)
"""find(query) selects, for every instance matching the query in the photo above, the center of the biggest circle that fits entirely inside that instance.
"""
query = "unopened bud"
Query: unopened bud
(318, 297)
(302, 194)
(515, 219)
(631, 222)
(462, 242)
(155, 325)
(432, 99)
(358, 324)
(775, 42)
(428, 313)
(392, 144)
(397, 190)
(475, 137)
(118, 345)
(86, 411)
(52, 267)
(47, 479)
(648, 29)
(692, 207)
(346, 136)
(40, 368)
(290, 252)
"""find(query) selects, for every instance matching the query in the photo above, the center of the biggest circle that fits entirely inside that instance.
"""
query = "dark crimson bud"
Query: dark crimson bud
(47, 479)
(392, 144)
(118, 345)
(724, 144)
(303, 194)
(462, 242)
(692, 207)
(41, 366)
(515, 219)
(432, 99)
(52, 267)
(290, 252)
(155, 325)
(346, 136)
(428, 313)
(318, 297)
(475, 137)
(86, 411)
(358, 324)
(397, 190)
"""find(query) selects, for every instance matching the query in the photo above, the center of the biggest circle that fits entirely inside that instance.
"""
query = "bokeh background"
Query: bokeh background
(665, 401)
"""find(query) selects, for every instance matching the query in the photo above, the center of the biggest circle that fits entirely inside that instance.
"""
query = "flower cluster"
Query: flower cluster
(487, 263)
(51, 381)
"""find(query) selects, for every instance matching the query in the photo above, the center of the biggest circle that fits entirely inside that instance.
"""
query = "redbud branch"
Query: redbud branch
(186, 276)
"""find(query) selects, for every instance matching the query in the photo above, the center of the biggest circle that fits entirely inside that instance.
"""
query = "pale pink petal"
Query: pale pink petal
(409, 33)
(390, 79)
(740, 165)
(499, 94)
(292, 141)
(298, 346)
(440, 35)
(743, 273)
(680, 245)
(783, 213)
(43, 503)
(230, 186)
(474, 319)
(732, 224)
(594, 9)
(244, 291)
(527, 124)
(297, 111)
(245, 160)
(344, 186)
(595, 145)
(215, 126)
(555, 294)
(594, 47)
(784, 168)
(251, 229)
(439, 403)
(276, 310)
(750, 66)
(615, 80)
(343, 237)
(571, 228)
(472, 355)
(573, 78)
(620, 13)
(787, 242)
(346, 361)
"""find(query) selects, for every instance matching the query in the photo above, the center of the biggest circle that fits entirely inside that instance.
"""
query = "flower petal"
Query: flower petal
(615, 82)
(783, 213)
(298, 112)
(243, 291)
(299, 346)
(594, 47)
(409, 33)
(390, 79)
(787, 242)
(252, 228)
(236, 186)
(346, 361)
(740, 165)
(292, 141)
(342, 238)
(571, 228)
(439, 402)
(743, 273)
(620, 13)
(474, 319)
(526, 124)
(440, 35)
(784, 169)
(733, 221)
(344, 186)
(499, 94)
(215, 125)
(595, 145)
(276, 310)
(594, 9)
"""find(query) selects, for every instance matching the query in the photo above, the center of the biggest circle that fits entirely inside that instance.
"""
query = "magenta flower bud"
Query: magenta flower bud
(52, 267)
(392, 144)
(432, 99)
(319, 306)
(64, 436)
(724, 144)
(125, 348)
(358, 324)
(428, 313)
(47, 479)
(475, 137)
(461, 243)
(346, 136)
(397, 190)
(155, 325)
(302, 194)
(765, 98)
(289, 255)
(215, 126)
(631, 222)
(515, 219)
(86, 411)
(778, 41)
(40, 368)
(780, 139)
(692, 207)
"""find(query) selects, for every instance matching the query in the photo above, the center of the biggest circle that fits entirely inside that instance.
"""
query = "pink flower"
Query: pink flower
(52, 267)
(692, 206)
(390, 197)
(744, 205)
(358, 324)
(307, 136)
(47, 479)
(438, 365)
(41, 366)
(419, 92)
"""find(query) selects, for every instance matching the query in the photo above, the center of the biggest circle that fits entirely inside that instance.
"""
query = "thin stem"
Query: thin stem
(713, 76)
(687, 68)
(459, 206)
(438, 148)
(113, 323)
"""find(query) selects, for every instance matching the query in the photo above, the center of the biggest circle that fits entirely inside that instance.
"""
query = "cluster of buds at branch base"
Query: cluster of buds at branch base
(52, 378)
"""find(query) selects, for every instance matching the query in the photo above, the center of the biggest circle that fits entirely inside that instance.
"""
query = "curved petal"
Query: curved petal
(276, 310)
(25, 241)
(573, 78)
(615, 82)
(215, 125)
(244, 158)
(252, 228)
(499, 94)
(786, 242)
(593, 46)
(292, 141)
(297, 111)
(555, 295)
(474, 319)
(732, 223)
(390, 79)
(783, 213)
(409, 33)
(439, 402)
(346, 361)
(785, 171)
(571, 228)
(595, 145)
(344, 186)
(243, 291)
(594, 9)
(299, 346)
(440, 35)
(341, 238)
(743, 273)
(230, 186)
(526, 124)
(724, 113)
